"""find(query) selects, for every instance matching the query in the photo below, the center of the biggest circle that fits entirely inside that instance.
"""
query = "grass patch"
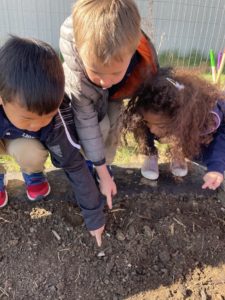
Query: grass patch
(208, 77)
(127, 154)
(174, 59)
(10, 164)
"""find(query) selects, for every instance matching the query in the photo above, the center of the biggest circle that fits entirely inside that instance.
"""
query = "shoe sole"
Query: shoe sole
(150, 175)
(180, 173)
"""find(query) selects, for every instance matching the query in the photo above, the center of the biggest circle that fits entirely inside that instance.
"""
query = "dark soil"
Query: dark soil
(164, 240)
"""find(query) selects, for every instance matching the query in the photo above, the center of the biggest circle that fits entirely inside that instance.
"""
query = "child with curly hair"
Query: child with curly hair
(188, 113)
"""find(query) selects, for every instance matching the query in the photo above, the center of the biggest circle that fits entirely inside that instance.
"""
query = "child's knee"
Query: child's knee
(30, 154)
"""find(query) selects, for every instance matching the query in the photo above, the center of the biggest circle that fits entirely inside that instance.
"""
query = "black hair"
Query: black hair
(31, 74)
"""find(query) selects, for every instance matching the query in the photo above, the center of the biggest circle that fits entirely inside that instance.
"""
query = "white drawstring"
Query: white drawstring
(67, 132)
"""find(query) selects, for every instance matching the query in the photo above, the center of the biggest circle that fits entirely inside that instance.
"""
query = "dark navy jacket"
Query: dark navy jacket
(213, 155)
(60, 139)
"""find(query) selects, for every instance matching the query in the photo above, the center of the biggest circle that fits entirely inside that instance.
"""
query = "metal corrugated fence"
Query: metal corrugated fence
(183, 31)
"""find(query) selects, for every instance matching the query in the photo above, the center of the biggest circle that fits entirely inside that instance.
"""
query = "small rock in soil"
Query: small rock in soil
(120, 236)
(101, 254)
(164, 257)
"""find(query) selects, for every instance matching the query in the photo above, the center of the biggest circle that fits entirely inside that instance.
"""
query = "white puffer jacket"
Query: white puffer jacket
(89, 101)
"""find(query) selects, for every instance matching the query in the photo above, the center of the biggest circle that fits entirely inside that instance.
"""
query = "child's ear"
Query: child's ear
(1, 101)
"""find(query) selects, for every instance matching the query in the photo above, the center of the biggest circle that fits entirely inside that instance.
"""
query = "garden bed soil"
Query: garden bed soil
(163, 240)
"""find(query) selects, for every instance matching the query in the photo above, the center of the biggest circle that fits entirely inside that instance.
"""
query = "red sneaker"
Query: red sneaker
(38, 191)
(37, 186)
(3, 198)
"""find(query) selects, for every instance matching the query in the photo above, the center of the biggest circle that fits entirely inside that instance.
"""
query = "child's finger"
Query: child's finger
(217, 182)
(114, 191)
(212, 184)
(205, 186)
(109, 200)
(92, 233)
(98, 237)
(208, 184)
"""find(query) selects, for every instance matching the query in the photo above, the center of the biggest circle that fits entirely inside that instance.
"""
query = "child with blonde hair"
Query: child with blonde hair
(106, 58)
(189, 112)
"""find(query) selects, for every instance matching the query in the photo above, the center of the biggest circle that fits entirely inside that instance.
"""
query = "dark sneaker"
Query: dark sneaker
(3, 192)
(37, 186)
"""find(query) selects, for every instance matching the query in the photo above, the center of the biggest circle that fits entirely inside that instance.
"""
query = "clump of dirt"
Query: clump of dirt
(157, 245)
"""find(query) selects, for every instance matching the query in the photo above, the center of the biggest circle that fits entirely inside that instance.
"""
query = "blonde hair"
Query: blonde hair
(106, 29)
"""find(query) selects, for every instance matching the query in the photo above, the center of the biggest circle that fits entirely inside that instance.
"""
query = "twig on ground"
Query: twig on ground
(193, 227)
(5, 221)
(78, 275)
(59, 258)
(65, 249)
(117, 209)
(179, 222)
(4, 293)
(171, 227)
(144, 217)
(56, 235)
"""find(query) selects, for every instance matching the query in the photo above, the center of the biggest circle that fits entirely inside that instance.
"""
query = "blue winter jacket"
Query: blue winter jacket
(213, 155)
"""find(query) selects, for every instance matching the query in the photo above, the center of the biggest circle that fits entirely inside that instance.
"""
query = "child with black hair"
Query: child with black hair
(186, 111)
(36, 117)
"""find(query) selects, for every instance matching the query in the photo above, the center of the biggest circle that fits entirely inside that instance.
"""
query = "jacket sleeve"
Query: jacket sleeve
(214, 154)
(88, 101)
(90, 201)
(68, 157)
(86, 118)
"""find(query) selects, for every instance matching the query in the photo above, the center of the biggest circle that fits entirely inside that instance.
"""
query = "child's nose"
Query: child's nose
(153, 129)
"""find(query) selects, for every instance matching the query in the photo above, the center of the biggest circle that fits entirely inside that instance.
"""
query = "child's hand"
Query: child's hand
(108, 188)
(212, 180)
(98, 235)
(107, 185)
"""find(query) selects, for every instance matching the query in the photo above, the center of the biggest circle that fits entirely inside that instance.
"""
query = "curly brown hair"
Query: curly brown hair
(188, 109)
